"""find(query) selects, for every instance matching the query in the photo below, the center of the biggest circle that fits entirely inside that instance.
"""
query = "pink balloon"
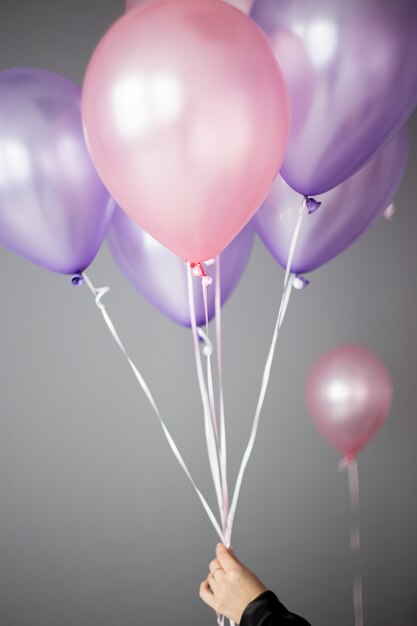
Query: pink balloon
(349, 393)
(186, 114)
(243, 5)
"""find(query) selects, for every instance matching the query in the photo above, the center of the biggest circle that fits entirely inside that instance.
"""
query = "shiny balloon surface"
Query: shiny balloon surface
(349, 394)
(186, 113)
(346, 211)
(352, 73)
(54, 209)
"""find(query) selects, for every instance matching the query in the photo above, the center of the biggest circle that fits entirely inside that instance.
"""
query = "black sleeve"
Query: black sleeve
(267, 610)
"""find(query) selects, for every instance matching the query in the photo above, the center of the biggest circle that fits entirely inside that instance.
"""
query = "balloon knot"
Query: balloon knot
(346, 461)
(299, 282)
(199, 272)
(207, 349)
(312, 205)
(77, 280)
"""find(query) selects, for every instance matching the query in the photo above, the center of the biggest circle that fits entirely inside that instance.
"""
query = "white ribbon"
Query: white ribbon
(350, 464)
(209, 418)
(288, 285)
(207, 398)
(98, 294)
(223, 451)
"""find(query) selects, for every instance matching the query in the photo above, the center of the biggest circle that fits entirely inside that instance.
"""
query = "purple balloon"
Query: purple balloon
(54, 210)
(352, 74)
(161, 276)
(346, 211)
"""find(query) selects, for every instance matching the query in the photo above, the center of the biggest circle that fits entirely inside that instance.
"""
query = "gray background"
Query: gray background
(98, 525)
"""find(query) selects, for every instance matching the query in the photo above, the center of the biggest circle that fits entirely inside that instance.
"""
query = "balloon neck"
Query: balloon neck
(347, 460)
(198, 271)
(299, 282)
(312, 204)
(77, 280)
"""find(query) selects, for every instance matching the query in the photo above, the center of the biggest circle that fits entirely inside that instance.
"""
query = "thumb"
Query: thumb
(232, 552)
(225, 556)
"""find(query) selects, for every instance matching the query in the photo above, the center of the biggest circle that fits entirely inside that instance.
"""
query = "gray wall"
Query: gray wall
(98, 525)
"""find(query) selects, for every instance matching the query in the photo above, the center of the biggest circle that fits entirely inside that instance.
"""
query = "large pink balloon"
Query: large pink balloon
(186, 114)
(349, 393)
(243, 5)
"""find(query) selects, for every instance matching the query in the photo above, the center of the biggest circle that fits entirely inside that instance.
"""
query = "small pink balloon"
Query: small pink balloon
(349, 394)
(186, 114)
(243, 5)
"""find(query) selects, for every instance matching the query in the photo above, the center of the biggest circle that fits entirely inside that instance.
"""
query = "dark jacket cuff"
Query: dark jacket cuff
(267, 610)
